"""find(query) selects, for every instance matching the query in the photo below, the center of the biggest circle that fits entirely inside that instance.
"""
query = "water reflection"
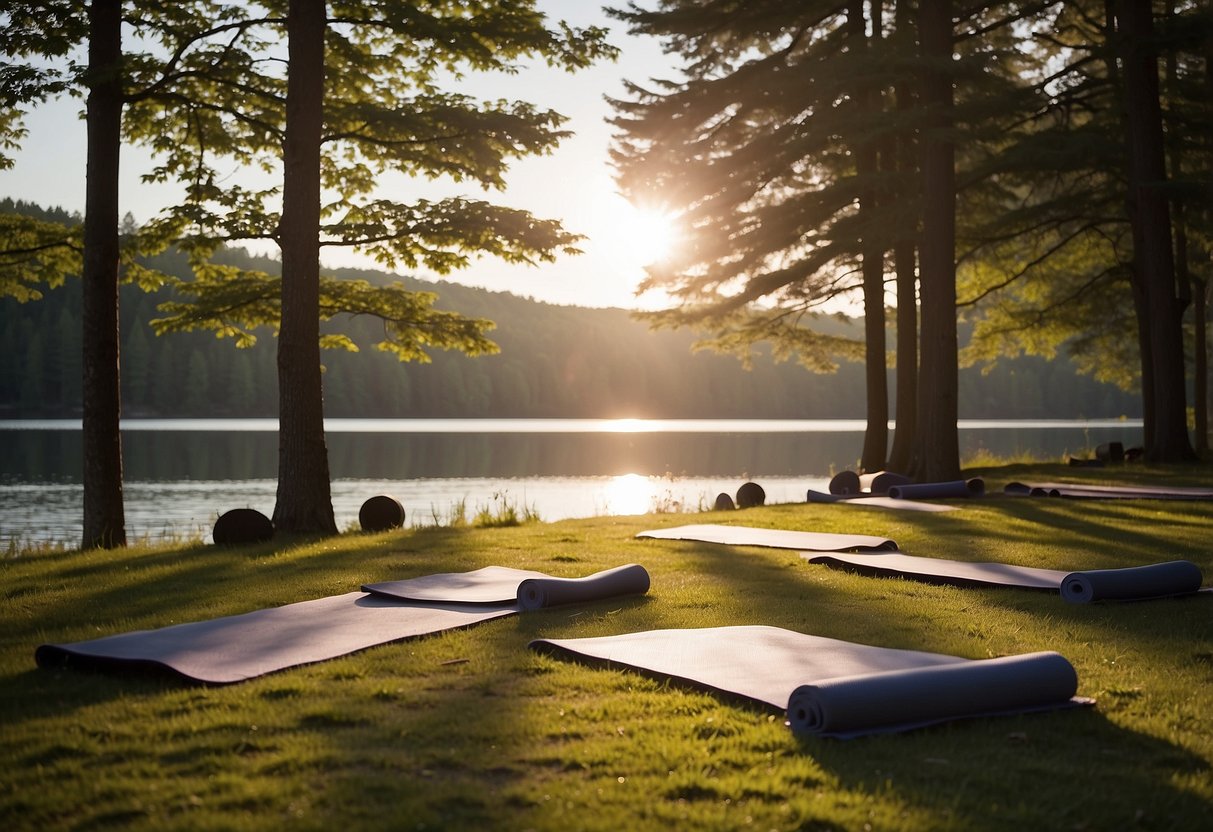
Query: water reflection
(181, 477)
(630, 494)
(627, 446)
(54, 455)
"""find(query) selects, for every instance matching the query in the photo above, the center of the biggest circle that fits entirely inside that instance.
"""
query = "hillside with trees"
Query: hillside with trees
(555, 361)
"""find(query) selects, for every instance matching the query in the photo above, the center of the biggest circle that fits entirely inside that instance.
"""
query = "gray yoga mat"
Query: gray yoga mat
(875, 501)
(1137, 583)
(835, 688)
(1106, 492)
(974, 487)
(239, 647)
(773, 538)
(531, 590)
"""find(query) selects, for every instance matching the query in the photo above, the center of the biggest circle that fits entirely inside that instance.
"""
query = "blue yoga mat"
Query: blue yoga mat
(974, 487)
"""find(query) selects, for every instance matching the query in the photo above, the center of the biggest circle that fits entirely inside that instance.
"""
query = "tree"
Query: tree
(770, 150)
(362, 96)
(901, 158)
(796, 150)
(937, 451)
(1163, 302)
(51, 30)
(104, 522)
(1062, 258)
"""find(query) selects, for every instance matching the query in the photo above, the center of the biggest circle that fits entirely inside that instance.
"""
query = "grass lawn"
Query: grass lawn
(471, 730)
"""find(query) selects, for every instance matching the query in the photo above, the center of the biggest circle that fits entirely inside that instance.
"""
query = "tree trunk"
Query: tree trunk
(876, 431)
(937, 449)
(104, 521)
(304, 503)
(1189, 287)
(1153, 258)
(1200, 366)
(905, 265)
(907, 357)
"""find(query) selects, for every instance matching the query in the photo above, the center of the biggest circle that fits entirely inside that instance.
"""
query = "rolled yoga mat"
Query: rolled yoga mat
(1106, 492)
(974, 487)
(1159, 580)
(901, 699)
(879, 482)
(1136, 583)
(845, 483)
(501, 585)
(773, 538)
(239, 647)
(863, 689)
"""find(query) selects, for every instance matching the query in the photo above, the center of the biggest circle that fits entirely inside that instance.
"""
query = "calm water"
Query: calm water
(181, 474)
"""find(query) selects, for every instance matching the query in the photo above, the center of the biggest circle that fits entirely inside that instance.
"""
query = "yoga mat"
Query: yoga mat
(774, 538)
(1159, 580)
(885, 689)
(879, 482)
(501, 585)
(902, 699)
(875, 501)
(1137, 583)
(1106, 492)
(974, 487)
(239, 647)
(846, 482)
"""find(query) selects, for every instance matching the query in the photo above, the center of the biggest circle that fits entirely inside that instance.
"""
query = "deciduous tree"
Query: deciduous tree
(362, 95)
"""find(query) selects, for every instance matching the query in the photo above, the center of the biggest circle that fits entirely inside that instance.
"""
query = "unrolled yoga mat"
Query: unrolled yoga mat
(1136, 583)
(875, 501)
(500, 584)
(836, 688)
(773, 538)
(1106, 492)
(239, 647)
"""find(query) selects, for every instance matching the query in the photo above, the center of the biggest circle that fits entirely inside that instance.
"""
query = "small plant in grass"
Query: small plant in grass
(985, 458)
(504, 512)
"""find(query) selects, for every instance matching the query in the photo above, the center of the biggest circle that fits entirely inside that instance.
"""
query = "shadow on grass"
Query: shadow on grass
(1021, 766)
(1017, 772)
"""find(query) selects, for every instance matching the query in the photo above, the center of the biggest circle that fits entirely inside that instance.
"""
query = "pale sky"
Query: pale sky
(574, 185)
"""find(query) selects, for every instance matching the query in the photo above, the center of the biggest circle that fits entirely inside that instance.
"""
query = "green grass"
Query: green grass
(470, 730)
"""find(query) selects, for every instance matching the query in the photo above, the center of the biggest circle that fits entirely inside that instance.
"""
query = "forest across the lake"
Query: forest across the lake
(555, 361)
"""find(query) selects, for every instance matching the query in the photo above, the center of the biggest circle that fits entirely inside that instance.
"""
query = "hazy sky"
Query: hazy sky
(574, 185)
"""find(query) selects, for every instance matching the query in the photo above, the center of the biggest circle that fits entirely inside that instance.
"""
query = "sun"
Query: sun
(649, 235)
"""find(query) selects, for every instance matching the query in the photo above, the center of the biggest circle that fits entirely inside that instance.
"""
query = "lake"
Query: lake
(181, 474)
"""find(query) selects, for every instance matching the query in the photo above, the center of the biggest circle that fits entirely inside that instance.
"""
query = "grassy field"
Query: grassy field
(471, 730)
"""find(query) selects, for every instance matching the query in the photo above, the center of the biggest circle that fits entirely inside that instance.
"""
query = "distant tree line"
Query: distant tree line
(555, 361)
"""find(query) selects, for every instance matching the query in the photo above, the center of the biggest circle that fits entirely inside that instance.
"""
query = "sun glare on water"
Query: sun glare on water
(630, 494)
